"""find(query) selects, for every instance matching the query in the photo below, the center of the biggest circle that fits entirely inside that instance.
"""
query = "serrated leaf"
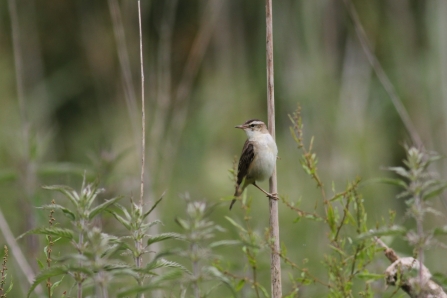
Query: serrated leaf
(52, 231)
(66, 211)
(122, 269)
(45, 274)
(170, 275)
(155, 222)
(162, 263)
(162, 237)
(103, 206)
(69, 192)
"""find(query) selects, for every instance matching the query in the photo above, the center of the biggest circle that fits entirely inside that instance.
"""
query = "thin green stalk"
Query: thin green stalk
(195, 270)
(80, 244)
(139, 244)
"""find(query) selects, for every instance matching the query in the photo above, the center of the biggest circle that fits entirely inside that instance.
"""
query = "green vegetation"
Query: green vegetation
(70, 115)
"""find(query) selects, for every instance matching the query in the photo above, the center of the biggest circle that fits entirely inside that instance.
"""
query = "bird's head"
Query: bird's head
(253, 127)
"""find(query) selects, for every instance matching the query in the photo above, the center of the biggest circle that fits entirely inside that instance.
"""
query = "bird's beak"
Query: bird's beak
(240, 126)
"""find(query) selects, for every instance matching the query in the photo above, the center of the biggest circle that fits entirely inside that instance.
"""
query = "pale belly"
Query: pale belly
(263, 167)
(265, 160)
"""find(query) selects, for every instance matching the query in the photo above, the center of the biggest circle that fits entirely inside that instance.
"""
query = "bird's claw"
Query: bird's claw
(273, 196)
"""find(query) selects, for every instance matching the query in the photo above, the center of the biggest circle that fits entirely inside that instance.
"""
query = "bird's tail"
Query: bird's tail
(237, 193)
(232, 203)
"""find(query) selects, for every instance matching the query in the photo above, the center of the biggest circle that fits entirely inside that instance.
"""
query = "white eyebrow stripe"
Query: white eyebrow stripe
(255, 122)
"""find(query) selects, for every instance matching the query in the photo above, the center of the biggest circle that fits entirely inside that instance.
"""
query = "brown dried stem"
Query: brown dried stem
(275, 265)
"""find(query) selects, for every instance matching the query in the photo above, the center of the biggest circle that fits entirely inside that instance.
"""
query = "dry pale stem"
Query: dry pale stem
(275, 266)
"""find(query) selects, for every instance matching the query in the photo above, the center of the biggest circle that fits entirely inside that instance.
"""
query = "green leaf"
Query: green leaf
(69, 192)
(155, 205)
(161, 263)
(170, 275)
(331, 218)
(136, 290)
(391, 181)
(164, 236)
(121, 219)
(11, 285)
(240, 285)
(440, 278)
(225, 243)
(66, 211)
(313, 217)
(52, 231)
(235, 224)
(125, 211)
(435, 192)
(71, 257)
(213, 271)
(122, 269)
(55, 285)
(264, 291)
(400, 171)
(392, 231)
(8, 175)
(340, 251)
(440, 231)
(45, 274)
(293, 294)
(41, 265)
(370, 276)
(103, 206)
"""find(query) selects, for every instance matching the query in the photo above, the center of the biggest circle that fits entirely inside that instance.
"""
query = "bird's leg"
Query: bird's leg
(273, 196)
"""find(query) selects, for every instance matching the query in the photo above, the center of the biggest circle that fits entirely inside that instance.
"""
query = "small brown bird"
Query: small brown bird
(258, 157)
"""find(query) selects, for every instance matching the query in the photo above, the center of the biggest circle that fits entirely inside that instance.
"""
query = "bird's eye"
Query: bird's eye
(252, 125)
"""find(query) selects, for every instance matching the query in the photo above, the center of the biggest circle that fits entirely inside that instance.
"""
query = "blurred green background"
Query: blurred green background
(70, 101)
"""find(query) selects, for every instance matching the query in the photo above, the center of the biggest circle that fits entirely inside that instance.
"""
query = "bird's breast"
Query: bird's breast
(265, 158)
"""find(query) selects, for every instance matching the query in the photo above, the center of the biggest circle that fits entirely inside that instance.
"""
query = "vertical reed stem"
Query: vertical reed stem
(275, 266)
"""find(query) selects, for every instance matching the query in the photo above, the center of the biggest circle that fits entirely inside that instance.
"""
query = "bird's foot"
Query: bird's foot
(273, 196)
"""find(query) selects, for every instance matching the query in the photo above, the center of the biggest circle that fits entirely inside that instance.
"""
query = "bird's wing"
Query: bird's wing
(248, 154)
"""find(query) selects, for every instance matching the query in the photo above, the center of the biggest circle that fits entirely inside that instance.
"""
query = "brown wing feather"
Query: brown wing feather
(248, 154)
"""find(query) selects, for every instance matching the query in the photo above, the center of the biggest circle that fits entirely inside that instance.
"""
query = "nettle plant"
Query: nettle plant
(95, 258)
